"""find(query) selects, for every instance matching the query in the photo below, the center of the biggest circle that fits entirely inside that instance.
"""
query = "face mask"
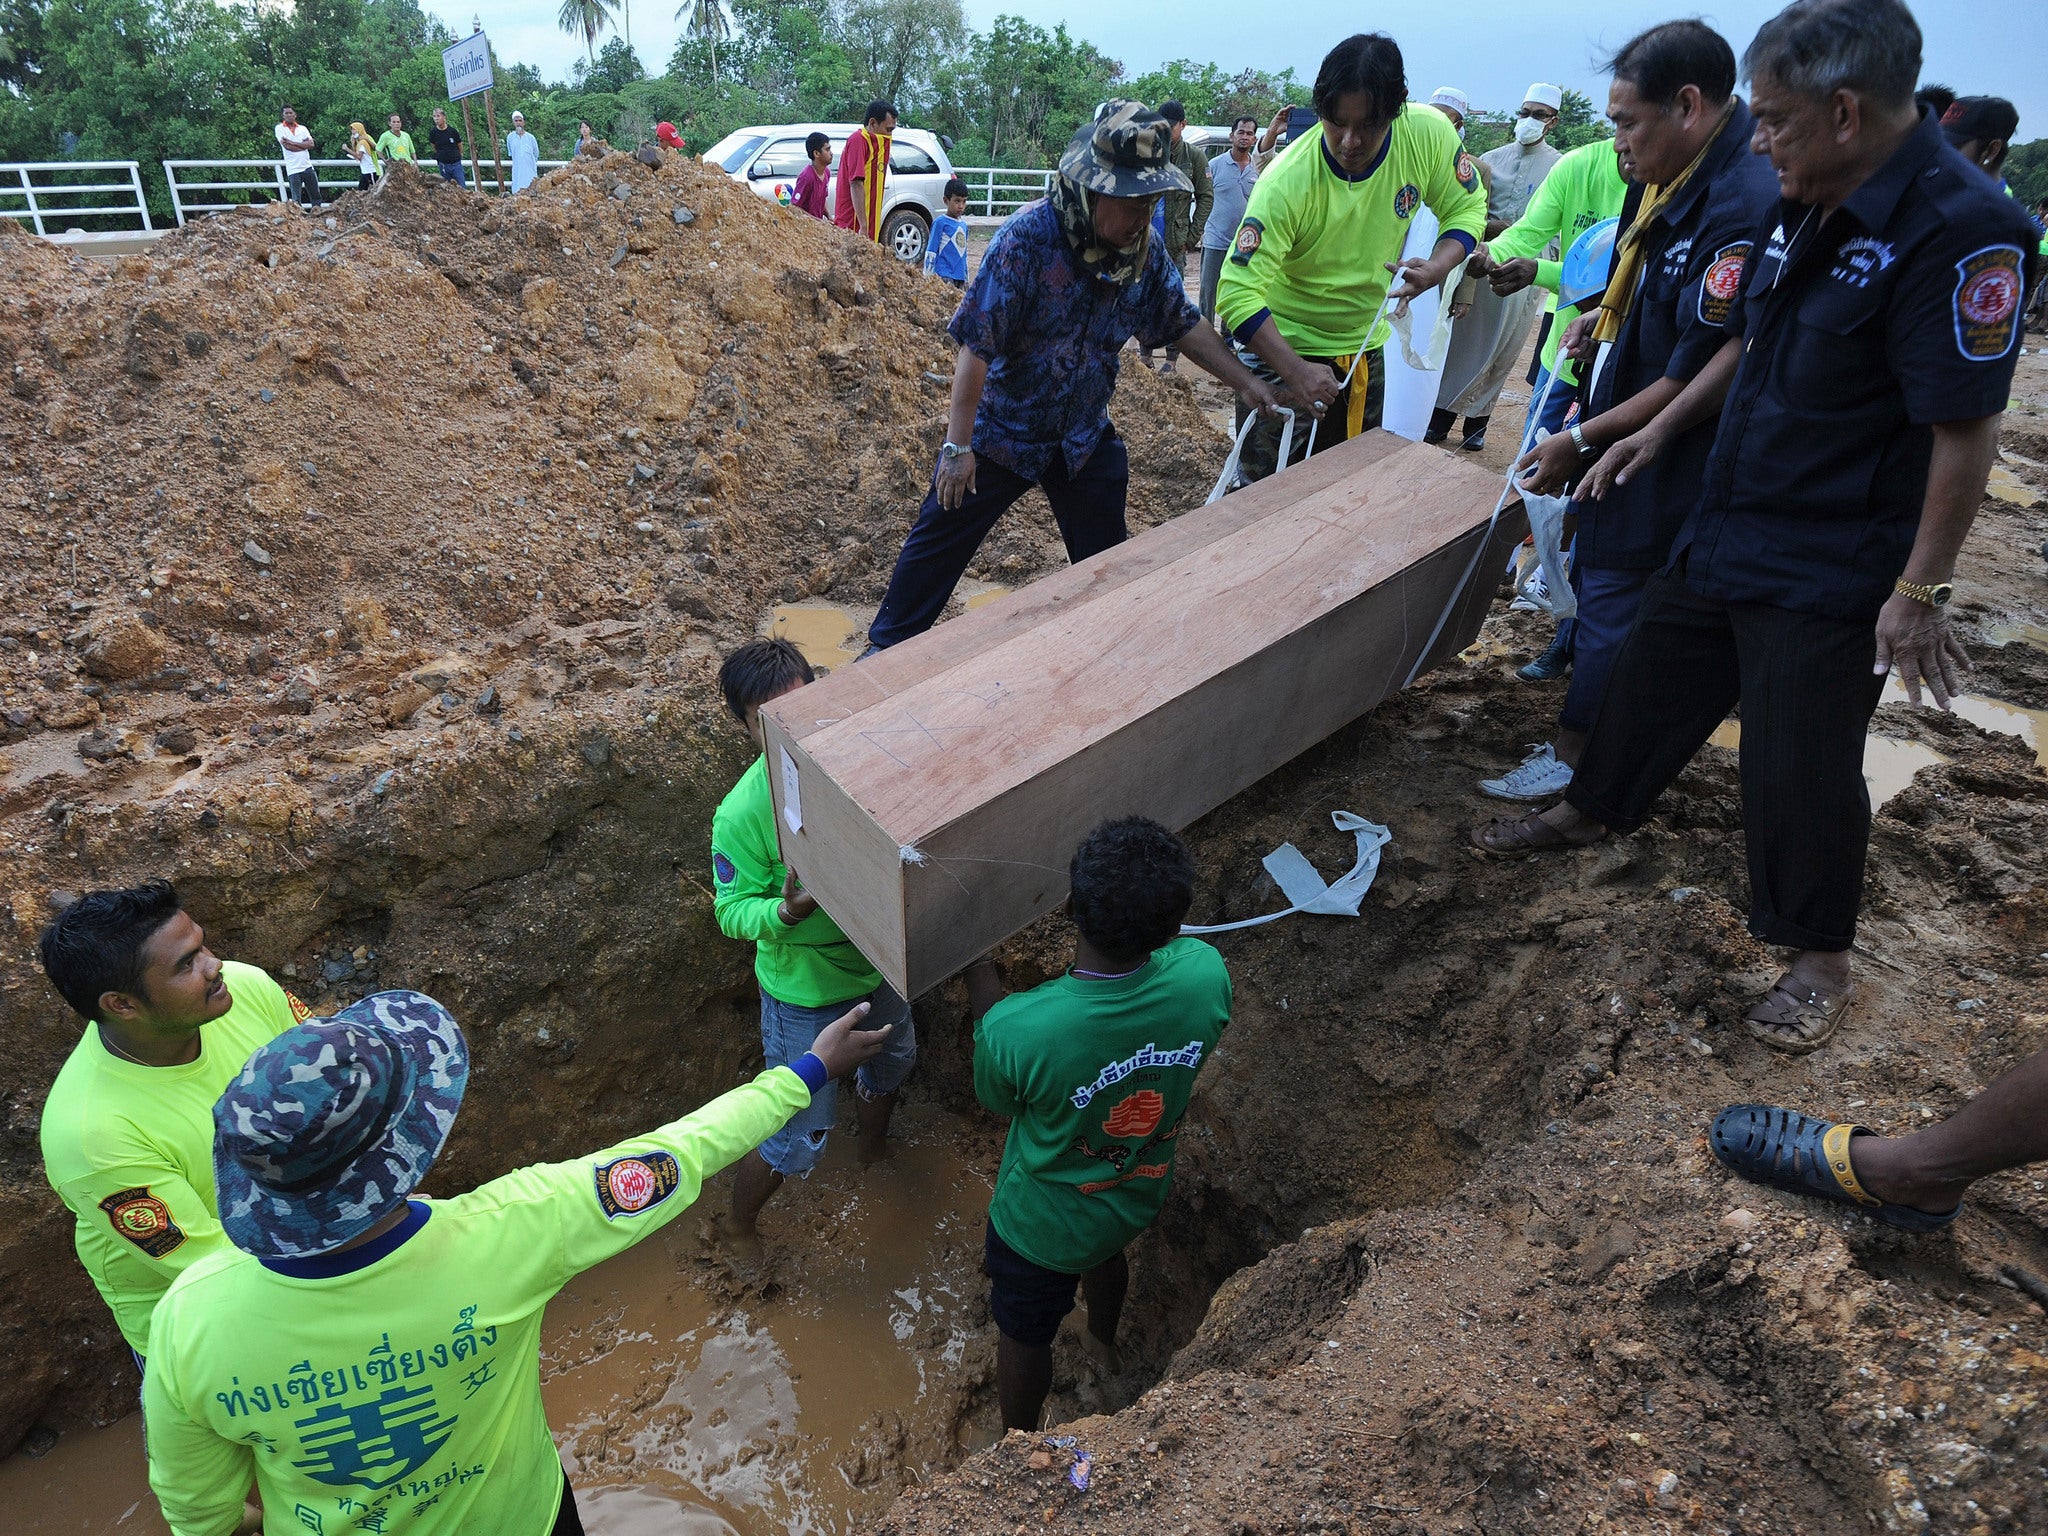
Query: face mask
(1527, 130)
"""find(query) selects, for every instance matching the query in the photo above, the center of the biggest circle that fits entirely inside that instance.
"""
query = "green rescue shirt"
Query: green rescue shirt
(393, 146)
(1582, 189)
(130, 1149)
(400, 1391)
(1313, 247)
(1094, 1077)
(812, 965)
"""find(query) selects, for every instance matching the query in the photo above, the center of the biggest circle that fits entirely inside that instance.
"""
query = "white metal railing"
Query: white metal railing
(27, 192)
(997, 191)
(240, 182)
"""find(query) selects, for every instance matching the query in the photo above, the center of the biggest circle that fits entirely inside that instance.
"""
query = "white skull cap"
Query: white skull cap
(1550, 96)
(1450, 96)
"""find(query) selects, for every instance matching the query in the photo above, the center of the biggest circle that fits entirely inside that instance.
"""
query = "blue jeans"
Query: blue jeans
(1555, 413)
(456, 173)
(1608, 604)
(788, 1030)
(1088, 505)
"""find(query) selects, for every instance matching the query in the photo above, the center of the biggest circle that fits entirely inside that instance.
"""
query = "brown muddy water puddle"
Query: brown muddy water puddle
(684, 1409)
(1889, 762)
(833, 636)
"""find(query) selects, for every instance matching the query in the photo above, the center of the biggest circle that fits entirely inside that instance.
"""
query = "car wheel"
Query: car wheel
(904, 232)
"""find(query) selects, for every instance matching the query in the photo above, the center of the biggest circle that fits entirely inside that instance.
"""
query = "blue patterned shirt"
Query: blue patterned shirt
(1050, 337)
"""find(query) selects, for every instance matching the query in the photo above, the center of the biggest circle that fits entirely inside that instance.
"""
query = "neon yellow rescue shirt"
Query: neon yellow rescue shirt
(1582, 189)
(404, 1395)
(130, 1149)
(1313, 246)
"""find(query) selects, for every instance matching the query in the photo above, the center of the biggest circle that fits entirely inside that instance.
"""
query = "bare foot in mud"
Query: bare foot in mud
(1107, 1359)
(744, 1246)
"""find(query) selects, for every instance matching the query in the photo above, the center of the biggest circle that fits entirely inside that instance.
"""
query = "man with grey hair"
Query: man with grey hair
(522, 149)
(1871, 347)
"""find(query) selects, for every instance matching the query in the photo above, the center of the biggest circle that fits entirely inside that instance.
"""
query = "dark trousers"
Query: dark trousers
(567, 1521)
(1807, 692)
(1608, 604)
(1088, 505)
(305, 187)
(455, 171)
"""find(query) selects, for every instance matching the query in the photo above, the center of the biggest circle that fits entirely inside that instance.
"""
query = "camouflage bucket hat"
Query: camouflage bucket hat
(1123, 153)
(329, 1127)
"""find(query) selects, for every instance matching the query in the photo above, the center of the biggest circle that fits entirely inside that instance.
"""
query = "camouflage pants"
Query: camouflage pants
(1357, 410)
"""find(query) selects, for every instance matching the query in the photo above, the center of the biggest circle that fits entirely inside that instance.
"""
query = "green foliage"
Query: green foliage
(2026, 171)
(1021, 92)
(1214, 96)
(616, 67)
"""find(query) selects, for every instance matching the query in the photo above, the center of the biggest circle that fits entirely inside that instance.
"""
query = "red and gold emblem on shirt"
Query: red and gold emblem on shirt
(1468, 173)
(143, 1220)
(300, 1012)
(1987, 302)
(1407, 200)
(1721, 282)
(1137, 1115)
(629, 1185)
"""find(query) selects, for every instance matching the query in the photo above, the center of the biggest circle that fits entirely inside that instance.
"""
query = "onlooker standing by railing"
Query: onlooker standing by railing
(523, 150)
(1187, 213)
(814, 181)
(364, 153)
(447, 149)
(297, 146)
(1232, 175)
(394, 143)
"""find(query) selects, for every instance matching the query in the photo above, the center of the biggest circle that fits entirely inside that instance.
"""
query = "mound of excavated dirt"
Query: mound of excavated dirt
(366, 572)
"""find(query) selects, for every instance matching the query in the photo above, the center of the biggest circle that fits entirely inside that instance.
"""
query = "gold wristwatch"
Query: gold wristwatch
(1935, 594)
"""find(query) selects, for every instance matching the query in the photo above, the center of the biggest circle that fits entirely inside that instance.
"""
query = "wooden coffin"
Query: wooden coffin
(931, 796)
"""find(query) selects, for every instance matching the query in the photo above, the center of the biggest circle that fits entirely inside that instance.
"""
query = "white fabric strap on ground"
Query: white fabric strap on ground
(1304, 888)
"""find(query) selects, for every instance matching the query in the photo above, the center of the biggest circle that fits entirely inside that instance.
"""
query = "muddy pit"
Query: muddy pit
(1445, 1252)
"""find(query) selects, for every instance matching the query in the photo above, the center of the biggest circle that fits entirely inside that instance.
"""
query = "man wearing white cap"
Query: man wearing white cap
(1490, 334)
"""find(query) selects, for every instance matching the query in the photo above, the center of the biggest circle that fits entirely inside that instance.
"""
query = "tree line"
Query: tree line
(150, 80)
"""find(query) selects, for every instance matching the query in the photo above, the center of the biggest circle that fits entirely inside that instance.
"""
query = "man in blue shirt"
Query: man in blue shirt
(1064, 284)
(1869, 356)
(1695, 196)
(1232, 174)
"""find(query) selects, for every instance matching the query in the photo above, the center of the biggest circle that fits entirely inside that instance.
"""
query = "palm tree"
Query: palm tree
(707, 19)
(589, 17)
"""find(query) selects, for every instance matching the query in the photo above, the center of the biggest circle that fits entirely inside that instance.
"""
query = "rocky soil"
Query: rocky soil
(368, 579)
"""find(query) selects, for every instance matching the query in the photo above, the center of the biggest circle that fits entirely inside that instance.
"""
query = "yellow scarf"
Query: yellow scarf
(1628, 250)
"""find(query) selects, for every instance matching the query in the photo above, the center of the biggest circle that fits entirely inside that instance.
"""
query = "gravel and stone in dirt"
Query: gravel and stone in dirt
(366, 573)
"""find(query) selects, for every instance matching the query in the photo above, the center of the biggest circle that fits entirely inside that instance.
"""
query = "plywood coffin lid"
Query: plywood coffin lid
(847, 690)
(951, 742)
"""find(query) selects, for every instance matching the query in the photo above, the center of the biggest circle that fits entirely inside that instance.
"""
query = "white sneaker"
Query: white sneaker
(1533, 598)
(1540, 776)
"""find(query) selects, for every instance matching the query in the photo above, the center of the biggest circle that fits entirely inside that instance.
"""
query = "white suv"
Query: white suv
(770, 159)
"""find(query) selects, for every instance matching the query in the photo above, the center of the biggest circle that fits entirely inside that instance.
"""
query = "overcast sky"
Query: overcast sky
(1490, 49)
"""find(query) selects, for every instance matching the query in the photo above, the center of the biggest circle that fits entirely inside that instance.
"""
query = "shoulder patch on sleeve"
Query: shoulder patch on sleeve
(1468, 173)
(627, 1186)
(300, 1012)
(1987, 302)
(721, 866)
(1721, 282)
(1250, 235)
(144, 1220)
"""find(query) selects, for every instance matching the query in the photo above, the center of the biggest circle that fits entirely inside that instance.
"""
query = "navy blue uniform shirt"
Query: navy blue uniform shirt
(1860, 332)
(1050, 335)
(1691, 272)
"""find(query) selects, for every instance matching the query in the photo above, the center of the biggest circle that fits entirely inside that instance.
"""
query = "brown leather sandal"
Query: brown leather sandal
(1814, 1017)
(1514, 836)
